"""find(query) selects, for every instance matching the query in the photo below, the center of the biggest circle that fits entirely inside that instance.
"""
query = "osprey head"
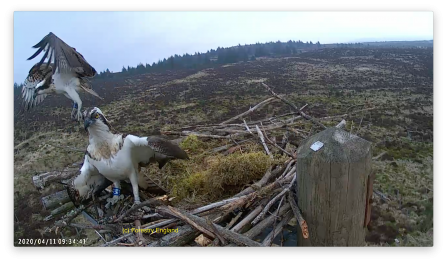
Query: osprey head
(95, 119)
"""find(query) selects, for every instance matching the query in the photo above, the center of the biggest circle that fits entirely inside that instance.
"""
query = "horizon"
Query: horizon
(190, 32)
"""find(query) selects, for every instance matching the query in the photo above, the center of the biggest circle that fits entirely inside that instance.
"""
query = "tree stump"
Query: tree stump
(332, 188)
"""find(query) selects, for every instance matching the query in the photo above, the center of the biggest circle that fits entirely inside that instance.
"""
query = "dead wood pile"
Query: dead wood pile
(269, 203)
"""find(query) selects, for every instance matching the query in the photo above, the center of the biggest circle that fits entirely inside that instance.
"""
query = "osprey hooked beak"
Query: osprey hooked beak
(93, 116)
(87, 122)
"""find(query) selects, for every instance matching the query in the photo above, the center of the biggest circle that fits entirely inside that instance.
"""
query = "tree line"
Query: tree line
(215, 56)
(218, 56)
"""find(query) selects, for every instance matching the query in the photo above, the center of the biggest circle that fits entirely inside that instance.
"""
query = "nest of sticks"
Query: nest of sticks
(269, 203)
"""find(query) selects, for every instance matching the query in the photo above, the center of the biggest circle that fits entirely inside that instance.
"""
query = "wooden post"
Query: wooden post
(332, 188)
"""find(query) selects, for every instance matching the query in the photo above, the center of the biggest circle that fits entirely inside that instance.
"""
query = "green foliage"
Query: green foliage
(221, 175)
(192, 144)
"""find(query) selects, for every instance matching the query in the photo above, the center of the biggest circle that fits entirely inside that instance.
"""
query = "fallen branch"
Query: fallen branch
(307, 117)
(237, 228)
(257, 229)
(183, 216)
(299, 218)
(381, 195)
(380, 155)
(185, 235)
(261, 136)
(277, 229)
(269, 204)
(216, 232)
(165, 222)
(269, 239)
(152, 201)
(259, 105)
(341, 125)
(225, 233)
(276, 145)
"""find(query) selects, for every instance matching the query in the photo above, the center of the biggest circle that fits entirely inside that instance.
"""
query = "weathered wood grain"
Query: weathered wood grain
(332, 187)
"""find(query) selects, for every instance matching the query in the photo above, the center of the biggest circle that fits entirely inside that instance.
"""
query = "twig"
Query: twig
(278, 229)
(380, 155)
(269, 204)
(269, 239)
(249, 217)
(262, 103)
(360, 125)
(299, 218)
(302, 108)
(381, 195)
(165, 222)
(188, 220)
(216, 232)
(295, 107)
(276, 145)
(260, 227)
(341, 125)
(234, 220)
(261, 136)
(246, 126)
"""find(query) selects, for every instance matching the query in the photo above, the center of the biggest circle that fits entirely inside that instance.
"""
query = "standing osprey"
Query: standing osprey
(117, 157)
(65, 72)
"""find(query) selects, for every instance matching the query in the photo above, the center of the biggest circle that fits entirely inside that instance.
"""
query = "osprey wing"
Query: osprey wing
(39, 78)
(66, 58)
(154, 148)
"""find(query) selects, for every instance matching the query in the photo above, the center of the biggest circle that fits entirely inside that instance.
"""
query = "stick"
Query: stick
(299, 218)
(263, 142)
(262, 103)
(256, 230)
(139, 234)
(185, 235)
(246, 126)
(234, 220)
(302, 108)
(267, 207)
(307, 117)
(278, 229)
(380, 155)
(188, 220)
(274, 144)
(165, 222)
(269, 204)
(249, 217)
(264, 180)
(216, 232)
(269, 239)
(227, 234)
(381, 195)
(152, 201)
(341, 125)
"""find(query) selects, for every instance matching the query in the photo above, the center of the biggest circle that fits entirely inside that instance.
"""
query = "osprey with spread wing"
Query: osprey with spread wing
(65, 72)
(115, 157)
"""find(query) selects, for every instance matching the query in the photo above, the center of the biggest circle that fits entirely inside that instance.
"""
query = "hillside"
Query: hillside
(396, 83)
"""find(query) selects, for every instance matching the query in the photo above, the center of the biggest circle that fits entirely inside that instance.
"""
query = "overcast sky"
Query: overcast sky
(113, 39)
